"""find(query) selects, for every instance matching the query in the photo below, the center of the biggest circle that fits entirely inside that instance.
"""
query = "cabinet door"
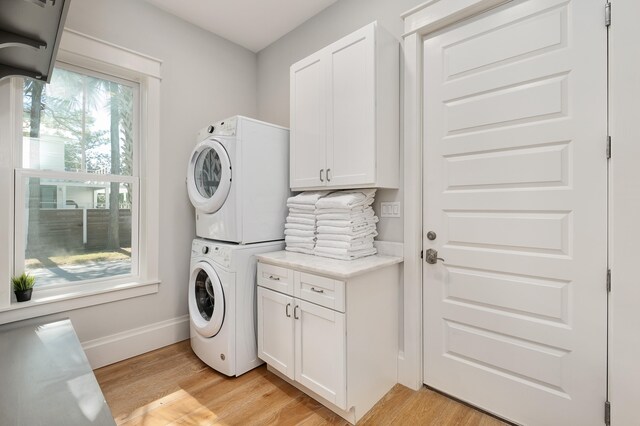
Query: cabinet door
(276, 330)
(308, 123)
(321, 352)
(351, 109)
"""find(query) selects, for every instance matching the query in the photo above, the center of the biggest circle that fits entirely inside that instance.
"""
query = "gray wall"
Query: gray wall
(338, 20)
(204, 78)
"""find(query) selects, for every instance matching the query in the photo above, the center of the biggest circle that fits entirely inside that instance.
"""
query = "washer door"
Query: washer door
(206, 300)
(209, 176)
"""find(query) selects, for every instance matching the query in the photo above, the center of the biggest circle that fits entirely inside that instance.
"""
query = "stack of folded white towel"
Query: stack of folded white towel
(300, 228)
(346, 225)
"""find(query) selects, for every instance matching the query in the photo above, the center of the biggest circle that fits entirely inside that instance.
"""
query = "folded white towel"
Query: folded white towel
(297, 239)
(347, 223)
(301, 226)
(300, 221)
(300, 212)
(346, 230)
(346, 237)
(365, 214)
(347, 199)
(303, 207)
(300, 250)
(352, 245)
(308, 197)
(352, 211)
(309, 245)
(299, 232)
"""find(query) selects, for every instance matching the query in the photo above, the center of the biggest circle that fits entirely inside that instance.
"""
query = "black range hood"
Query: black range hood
(30, 32)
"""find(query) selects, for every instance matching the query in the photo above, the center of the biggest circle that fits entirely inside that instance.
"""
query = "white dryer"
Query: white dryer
(222, 304)
(238, 181)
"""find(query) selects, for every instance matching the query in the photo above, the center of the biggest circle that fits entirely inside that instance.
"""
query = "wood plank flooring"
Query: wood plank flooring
(171, 386)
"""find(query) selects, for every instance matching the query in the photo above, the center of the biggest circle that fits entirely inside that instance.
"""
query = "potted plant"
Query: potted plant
(23, 286)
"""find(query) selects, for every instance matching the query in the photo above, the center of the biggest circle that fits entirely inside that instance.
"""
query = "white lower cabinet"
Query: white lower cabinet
(336, 340)
(276, 330)
(303, 341)
(320, 352)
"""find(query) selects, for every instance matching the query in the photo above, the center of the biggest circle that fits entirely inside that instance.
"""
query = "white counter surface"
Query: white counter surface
(45, 378)
(326, 266)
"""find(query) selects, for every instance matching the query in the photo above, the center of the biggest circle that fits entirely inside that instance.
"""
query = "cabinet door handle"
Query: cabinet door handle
(271, 277)
(328, 177)
(321, 177)
(316, 290)
(286, 310)
(295, 312)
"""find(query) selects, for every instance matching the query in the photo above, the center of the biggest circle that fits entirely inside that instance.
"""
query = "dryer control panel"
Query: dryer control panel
(225, 127)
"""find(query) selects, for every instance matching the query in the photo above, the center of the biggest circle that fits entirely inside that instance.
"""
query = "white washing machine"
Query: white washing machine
(238, 181)
(222, 304)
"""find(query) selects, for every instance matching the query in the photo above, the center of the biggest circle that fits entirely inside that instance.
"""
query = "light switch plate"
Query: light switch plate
(390, 209)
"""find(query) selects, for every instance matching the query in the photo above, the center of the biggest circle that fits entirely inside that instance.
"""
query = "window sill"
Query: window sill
(97, 294)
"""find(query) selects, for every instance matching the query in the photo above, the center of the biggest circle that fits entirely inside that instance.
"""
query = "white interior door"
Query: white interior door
(516, 191)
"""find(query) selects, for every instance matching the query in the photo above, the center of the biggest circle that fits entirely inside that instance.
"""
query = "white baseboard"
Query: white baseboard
(117, 347)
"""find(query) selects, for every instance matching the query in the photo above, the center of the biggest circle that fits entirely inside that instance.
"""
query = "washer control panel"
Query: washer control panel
(219, 253)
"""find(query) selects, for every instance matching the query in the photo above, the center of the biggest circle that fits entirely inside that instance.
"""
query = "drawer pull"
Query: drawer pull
(271, 277)
(316, 290)
(295, 312)
(286, 310)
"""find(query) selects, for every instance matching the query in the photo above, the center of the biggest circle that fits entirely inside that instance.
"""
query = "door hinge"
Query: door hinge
(608, 147)
(607, 14)
(609, 280)
(607, 413)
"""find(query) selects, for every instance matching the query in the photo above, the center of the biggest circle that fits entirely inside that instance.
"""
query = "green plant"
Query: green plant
(23, 282)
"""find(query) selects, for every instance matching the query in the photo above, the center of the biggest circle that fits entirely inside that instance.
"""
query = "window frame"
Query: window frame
(23, 174)
(86, 54)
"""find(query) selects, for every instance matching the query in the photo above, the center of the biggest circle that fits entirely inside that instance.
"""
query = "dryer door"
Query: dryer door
(209, 176)
(206, 300)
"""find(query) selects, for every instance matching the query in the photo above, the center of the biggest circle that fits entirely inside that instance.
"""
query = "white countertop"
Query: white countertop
(326, 266)
(46, 377)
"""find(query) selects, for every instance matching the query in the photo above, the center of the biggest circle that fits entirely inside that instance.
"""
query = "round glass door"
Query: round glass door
(209, 176)
(206, 300)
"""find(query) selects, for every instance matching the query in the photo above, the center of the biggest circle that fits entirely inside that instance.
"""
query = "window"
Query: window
(77, 191)
(68, 182)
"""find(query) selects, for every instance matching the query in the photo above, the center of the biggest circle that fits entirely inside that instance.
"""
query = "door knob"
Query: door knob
(431, 257)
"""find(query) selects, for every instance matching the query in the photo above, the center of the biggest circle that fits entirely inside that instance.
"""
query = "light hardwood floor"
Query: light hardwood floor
(172, 386)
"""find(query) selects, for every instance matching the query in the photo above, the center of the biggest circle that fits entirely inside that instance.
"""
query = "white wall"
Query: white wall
(204, 78)
(338, 20)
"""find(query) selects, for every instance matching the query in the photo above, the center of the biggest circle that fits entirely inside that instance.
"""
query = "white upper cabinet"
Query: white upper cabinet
(308, 112)
(345, 114)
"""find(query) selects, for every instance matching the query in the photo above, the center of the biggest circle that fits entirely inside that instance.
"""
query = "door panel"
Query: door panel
(515, 189)
(276, 330)
(351, 123)
(320, 352)
(308, 122)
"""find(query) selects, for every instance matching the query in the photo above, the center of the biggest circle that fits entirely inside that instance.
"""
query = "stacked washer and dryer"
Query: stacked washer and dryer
(238, 182)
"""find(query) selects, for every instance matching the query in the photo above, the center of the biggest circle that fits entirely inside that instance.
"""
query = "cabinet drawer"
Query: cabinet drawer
(275, 278)
(320, 290)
